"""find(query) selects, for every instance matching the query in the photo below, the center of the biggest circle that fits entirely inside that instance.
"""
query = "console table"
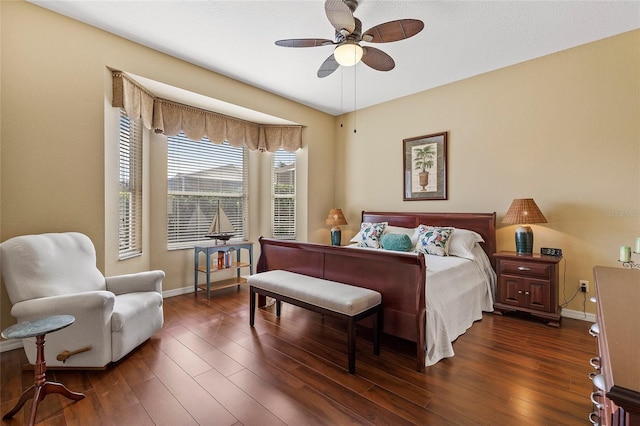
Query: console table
(38, 328)
(210, 250)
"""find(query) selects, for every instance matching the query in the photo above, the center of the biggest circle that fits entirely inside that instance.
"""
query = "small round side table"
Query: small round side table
(38, 328)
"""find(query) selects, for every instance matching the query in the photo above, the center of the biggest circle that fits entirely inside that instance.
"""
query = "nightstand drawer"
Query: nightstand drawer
(531, 269)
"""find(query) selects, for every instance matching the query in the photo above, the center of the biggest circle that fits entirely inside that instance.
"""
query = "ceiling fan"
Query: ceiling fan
(349, 34)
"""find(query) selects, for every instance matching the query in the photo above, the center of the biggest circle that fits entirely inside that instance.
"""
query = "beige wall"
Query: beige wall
(563, 129)
(59, 148)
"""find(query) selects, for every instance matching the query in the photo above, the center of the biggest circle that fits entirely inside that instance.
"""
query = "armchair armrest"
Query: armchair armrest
(142, 281)
(92, 328)
(80, 305)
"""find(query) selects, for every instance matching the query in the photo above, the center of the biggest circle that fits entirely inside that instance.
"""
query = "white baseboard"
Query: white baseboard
(584, 316)
(177, 291)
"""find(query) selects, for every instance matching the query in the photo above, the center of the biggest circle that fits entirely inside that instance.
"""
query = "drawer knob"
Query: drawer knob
(526, 292)
(523, 268)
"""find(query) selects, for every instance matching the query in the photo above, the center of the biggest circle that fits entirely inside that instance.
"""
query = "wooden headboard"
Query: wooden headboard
(482, 223)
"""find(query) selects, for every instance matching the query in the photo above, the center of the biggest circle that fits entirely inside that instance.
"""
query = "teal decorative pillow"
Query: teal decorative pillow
(433, 240)
(396, 242)
(370, 234)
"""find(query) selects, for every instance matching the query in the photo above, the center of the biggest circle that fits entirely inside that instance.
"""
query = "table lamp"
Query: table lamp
(335, 218)
(522, 212)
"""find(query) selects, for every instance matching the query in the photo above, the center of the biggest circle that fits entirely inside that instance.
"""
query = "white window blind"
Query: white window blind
(130, 212)
(283, 194)
(200, 176)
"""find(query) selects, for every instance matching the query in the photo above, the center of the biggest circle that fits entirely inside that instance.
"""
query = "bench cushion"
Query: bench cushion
(334, 296)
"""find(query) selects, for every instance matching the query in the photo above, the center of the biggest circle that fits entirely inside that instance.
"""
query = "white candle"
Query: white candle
(638, 245)
(625, 254)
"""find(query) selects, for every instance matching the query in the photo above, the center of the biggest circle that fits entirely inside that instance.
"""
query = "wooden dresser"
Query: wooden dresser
(616, 377)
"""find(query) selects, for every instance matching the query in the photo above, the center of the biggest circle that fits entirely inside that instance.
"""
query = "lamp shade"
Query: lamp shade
(335, 218)
(348, 54)
(524, 211)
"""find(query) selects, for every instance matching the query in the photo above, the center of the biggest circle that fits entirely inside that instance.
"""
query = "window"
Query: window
(283, 191)
(202, 176)
(130, 214)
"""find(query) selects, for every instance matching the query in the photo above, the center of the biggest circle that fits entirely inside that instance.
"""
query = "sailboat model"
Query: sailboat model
(221, 227)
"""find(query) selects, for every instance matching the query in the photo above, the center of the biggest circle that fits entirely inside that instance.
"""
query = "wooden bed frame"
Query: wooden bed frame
(399, 277)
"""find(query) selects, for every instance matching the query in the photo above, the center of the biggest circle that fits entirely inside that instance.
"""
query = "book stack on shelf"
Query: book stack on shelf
(225, 259)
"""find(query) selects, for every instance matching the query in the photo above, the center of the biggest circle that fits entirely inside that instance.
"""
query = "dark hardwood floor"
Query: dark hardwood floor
(208, 367)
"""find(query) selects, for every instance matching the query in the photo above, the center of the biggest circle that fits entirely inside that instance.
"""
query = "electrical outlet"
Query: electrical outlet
(584, 286)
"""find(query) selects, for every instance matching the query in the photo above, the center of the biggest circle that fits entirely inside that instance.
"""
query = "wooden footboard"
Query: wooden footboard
(399, 277)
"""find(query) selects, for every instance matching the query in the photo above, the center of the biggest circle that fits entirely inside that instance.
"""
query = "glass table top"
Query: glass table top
(39, 326)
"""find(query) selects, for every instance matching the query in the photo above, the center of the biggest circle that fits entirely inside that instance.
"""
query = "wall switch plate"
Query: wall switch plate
(551, 251)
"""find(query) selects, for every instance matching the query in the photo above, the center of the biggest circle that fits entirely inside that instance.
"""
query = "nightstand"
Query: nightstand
(528, 283)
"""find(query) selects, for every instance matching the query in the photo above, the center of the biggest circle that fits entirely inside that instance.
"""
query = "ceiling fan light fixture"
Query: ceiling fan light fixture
(348, 54)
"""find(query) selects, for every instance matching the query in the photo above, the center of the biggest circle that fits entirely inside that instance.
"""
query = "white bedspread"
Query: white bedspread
(457, 292)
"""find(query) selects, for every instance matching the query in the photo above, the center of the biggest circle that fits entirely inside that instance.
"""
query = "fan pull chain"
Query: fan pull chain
(355, 100)
(341, 95)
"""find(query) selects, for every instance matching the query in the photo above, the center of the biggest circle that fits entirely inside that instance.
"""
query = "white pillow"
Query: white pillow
(462, 243)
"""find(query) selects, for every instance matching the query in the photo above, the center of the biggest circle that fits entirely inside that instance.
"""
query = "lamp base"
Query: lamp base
(524, 240)
(336, 236)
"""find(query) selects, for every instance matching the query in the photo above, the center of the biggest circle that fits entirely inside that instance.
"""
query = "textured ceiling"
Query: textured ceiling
(461, 39)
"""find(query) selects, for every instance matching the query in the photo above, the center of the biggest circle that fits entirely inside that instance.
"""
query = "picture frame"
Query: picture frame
(425, 167)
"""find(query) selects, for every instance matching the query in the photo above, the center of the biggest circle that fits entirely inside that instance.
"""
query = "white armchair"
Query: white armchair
(52, 274)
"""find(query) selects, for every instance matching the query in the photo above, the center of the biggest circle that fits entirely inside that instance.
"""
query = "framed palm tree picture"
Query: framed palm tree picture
(425, 167)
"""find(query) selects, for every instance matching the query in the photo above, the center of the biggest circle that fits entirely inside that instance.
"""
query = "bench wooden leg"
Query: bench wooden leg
(278, 307)
(351, 345)
(377, 321)
(252, 306)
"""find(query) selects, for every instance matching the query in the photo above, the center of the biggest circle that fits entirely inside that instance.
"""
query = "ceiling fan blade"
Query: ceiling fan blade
(304, 42)
(340, 16)
(393, 31)
(328, 67)
(377, 59)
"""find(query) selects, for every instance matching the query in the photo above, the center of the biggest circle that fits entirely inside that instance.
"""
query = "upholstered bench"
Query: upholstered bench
(326, 297)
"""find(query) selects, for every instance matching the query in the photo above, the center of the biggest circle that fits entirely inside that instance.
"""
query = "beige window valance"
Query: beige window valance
(170, 118)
